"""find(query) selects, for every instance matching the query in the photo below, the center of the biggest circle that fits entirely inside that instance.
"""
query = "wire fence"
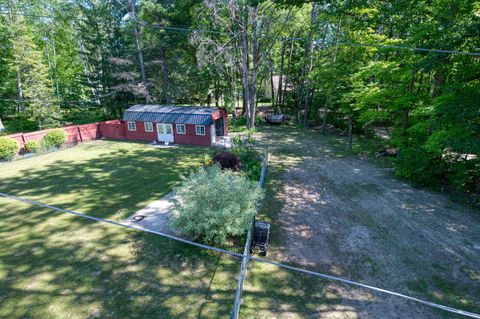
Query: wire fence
(245, 261)
(246, 257)
(44, 151)
(249, 257)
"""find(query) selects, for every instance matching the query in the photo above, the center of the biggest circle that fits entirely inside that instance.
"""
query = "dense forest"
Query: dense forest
(409, 67)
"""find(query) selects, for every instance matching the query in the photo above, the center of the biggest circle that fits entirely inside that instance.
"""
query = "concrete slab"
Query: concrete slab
(223, 141)
(156, 216)
(163, 145)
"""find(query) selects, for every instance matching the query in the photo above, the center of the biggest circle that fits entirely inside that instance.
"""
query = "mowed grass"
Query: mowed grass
(55, 265)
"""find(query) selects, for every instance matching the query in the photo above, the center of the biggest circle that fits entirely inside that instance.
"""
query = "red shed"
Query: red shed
(193, 125)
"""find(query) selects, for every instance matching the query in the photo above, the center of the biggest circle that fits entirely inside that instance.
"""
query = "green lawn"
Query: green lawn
(55, 265)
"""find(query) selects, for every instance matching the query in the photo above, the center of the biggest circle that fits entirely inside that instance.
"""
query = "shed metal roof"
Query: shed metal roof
(170, 114)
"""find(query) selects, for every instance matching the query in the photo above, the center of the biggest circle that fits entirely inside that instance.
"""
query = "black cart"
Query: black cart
(260, 238)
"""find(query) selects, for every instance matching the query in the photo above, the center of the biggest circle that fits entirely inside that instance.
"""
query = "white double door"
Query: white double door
(165, 132)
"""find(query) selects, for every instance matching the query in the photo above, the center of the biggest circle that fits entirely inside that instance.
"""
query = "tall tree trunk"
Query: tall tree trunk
(138, 44)
(406, 112)
(308, 102)
(334, 59)
(245, 69)
(289, 67)
(272, 87)
(244, 101)
(279, 104)
(325, 114)
(350, 132)
(438, 81)
(47, 53)
(306, 54)
(2, 128)
(57, 90)
(475, 196)
(86, 71)
(165, 77)
(251, 111)
(215, 92)
(21, 103)
(405, 116)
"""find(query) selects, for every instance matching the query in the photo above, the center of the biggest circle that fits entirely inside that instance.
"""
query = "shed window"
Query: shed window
(148, 127)
(132, 126)
(200, 129)
(181, 129)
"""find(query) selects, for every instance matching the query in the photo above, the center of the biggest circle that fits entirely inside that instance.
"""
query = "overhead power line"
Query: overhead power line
(93, 100)
(261, 260)
(282, 38)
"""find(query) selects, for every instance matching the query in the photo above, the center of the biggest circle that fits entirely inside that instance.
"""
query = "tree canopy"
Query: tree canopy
(411, 67)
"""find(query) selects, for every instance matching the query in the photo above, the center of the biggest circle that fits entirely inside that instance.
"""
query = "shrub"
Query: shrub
(55, 138)
(419, 166)
(8, 148)
(227, 161)
(33, 146)
(249, 157)
(213, 205)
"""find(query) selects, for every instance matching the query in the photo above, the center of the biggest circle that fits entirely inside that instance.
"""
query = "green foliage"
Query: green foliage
(8, 148)
(430, 100)
(239, 124)
(214, 205)
(20, 124)
(33, 146)
(33, 75)
(419, 166)
(251, 162)
(54, 138)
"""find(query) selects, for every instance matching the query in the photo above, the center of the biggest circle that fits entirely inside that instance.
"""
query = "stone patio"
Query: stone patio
(156, 216)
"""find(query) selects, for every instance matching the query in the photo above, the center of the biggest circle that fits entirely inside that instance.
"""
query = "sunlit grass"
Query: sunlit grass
(55, 265)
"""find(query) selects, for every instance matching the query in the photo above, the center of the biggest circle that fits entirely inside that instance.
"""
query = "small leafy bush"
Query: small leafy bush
(419, 166)
(8, 148)
(213, 205)
(33, 146)
(227, 161)
(54, 138)
(251, 162)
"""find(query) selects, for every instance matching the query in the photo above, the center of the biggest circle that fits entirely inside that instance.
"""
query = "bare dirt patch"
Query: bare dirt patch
(345, 216)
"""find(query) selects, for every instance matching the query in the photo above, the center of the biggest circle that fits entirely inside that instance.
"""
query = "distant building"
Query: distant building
(190, 125)
(276, 85)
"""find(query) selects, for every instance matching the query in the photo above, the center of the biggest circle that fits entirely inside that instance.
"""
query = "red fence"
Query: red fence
(78, 133)
(112, 129)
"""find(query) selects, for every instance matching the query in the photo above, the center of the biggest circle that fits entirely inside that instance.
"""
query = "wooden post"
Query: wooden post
(23, 142)
(79, 133)
(244, 266)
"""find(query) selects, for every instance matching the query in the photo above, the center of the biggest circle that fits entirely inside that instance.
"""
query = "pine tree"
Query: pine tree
(34, 87)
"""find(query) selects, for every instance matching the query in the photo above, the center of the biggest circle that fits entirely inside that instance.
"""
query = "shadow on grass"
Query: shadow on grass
(55, 265)
(273, 292)
(52, 265)
(108, 180)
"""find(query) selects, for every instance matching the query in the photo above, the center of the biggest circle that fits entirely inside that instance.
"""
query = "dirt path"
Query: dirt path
(345, 216)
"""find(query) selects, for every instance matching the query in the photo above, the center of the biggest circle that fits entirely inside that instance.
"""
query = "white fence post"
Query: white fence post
(245, 260)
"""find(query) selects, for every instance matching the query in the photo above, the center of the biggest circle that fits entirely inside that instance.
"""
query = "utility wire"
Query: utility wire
(93, 100)
(282, 38)
(238, 255)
